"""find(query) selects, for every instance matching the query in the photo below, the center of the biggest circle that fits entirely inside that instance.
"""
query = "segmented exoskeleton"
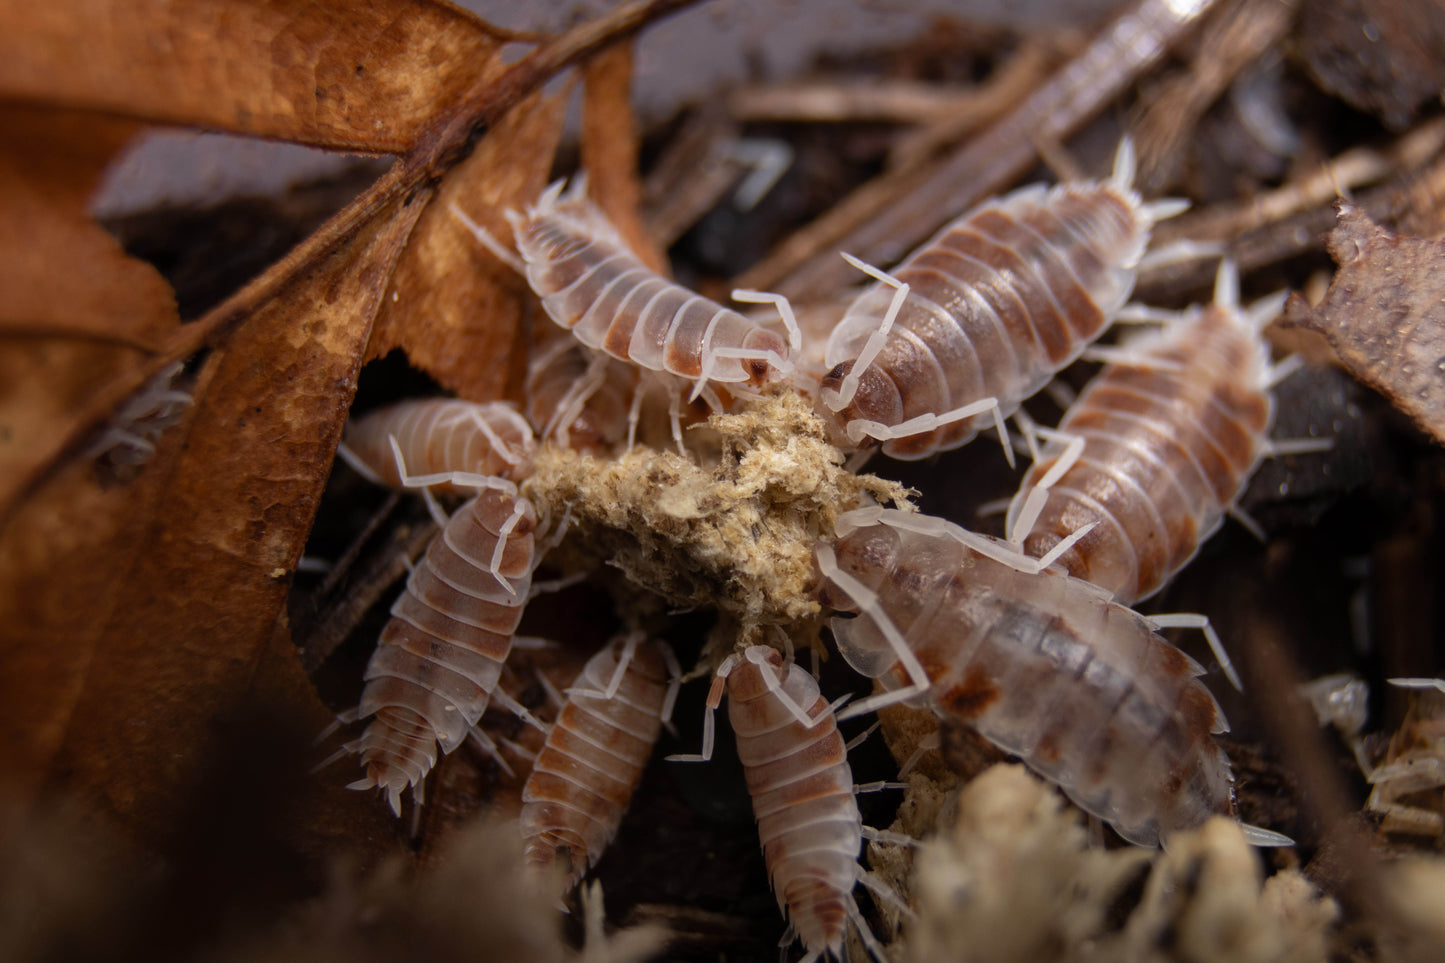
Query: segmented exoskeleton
(440, 436)
(986, 313)
(437, 662)
(1156, 450)
(591, 284)
(584, 777)
(1044, 665)
(581, 397)
(796, 766)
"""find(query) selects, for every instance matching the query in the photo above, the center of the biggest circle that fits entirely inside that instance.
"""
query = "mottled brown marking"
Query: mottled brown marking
(971, 698)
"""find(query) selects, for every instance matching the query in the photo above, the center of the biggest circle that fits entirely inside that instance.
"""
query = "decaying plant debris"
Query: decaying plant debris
(152, 680)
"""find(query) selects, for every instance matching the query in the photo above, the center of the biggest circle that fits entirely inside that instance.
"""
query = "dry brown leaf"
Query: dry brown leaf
(453, 306)
(74, 309)
(448, 140)
(609, 149)
(138, 620)
(1385, 315)
(349, 76)
(149, 621)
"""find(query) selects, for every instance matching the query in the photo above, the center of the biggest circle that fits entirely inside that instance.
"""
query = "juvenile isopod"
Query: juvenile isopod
(591, 284)
(438, 659)
(439, 442)
(583, 398)
(986, 312)
(1156, 450)
(584, 777)
(1043, 665)
(796, 766)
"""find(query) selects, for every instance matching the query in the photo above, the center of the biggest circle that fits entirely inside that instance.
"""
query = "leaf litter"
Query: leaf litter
(166, 598)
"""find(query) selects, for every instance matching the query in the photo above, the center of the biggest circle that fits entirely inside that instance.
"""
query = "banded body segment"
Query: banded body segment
(1046, 667)
(999, 301)
(802, 790)
(585, 775)
(580, 396)
(1168, 445)
(591, 284)
(440, 436)
(439, 657)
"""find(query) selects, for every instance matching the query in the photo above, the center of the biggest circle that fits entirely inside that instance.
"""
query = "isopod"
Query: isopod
(130, 437)
(595, 752)
(438, 659)
(796, 767)
(985, 313)
(591, 284)
(581, 397)
(442, 443)
(1043, 665)
(1156, 450)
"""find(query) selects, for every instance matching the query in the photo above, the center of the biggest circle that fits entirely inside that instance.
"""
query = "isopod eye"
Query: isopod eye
(835, 377)
(757, 370)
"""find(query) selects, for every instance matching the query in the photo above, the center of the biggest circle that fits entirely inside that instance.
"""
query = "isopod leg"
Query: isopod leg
(709, 723)
(859, 428)
(518, 710)
(874, 345)
(490, 242)
(463, 479)
(624, 659)
(785, 310)
(1034, 501)
(867, 601)
(489, 749)
(1190, 620)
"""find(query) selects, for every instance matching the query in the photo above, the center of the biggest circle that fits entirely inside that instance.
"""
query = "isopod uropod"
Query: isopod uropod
(1156, 449)
(986, 312)
(796, 766)
(591, 284)
(595, 752)
(1044, 665)
(439, 657)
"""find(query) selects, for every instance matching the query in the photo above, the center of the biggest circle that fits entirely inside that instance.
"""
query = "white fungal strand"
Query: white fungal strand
(802, 789)
(1043, 665)
(441, 436)
(591, 284)
(584, 777)
(438, 659)
(995, 305)
(1169, 439)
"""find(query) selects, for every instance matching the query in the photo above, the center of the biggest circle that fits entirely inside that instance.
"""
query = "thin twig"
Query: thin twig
(448, 141)
(889, 215)
(1228, 44)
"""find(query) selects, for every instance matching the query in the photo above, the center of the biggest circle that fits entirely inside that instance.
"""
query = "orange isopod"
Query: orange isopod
(437, 662)
(986, 312)
(584, 777)
(591, 284)
(1155, 450)
(796, 766)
